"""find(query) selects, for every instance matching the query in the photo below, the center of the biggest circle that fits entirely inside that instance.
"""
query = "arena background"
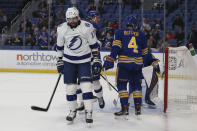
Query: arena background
(166, 23)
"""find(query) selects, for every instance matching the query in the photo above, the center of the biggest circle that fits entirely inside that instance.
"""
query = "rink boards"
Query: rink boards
(43, 61)
(37, 61)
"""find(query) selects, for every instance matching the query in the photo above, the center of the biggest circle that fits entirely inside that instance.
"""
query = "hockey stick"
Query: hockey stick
(109, 83)
(104, 73)
(115, 102)
(47, 108)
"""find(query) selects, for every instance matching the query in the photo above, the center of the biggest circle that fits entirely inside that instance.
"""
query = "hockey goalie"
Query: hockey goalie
(151, 71)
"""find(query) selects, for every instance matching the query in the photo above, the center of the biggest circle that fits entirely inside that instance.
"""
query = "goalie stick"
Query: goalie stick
(36, 108)
(149, 90)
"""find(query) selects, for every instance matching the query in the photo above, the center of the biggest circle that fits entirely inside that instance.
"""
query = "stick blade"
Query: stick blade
(38, 108)
(115, 102)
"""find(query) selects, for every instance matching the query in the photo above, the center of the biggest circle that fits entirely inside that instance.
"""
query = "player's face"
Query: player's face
(73, 21)
(96, 19)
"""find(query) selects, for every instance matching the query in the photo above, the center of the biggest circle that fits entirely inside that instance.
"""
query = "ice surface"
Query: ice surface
(18, 91)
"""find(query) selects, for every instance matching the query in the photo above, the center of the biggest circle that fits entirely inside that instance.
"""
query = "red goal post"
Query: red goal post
(180, 80)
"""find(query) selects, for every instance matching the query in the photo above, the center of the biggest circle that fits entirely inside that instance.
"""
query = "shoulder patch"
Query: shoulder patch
(87, 24)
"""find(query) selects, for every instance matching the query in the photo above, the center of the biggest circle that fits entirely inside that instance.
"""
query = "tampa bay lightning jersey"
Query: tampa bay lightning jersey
(130, 46)
(74, 44)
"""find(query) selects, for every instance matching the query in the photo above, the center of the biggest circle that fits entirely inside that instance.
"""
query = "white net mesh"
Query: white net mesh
(182, 81)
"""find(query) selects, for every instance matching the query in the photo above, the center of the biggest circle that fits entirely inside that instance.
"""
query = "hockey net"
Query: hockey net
(180, 80)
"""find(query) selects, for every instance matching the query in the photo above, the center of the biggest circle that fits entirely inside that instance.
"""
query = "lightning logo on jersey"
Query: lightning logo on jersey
(75, 43)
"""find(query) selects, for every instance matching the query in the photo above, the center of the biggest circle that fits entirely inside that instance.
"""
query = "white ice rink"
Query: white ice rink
(18, 91)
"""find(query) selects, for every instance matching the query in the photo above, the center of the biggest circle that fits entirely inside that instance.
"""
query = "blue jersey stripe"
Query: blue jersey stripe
(60, 47)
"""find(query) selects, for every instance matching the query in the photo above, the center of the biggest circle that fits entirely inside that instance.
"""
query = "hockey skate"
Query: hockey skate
(123, 114)
(138, 111)
(101, 102)
(71, 116)
(88, 118)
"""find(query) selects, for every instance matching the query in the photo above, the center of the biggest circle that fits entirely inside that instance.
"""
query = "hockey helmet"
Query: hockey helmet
(72, 12)
(92, 13)
(131, 21)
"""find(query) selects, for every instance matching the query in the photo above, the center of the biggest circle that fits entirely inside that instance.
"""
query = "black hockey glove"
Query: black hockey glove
(60, 65)
(96, 64)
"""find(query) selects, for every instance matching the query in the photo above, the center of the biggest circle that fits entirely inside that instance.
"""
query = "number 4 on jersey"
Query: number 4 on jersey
(132, 44)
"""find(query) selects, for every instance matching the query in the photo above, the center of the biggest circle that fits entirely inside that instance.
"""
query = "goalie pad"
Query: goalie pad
(151, 87)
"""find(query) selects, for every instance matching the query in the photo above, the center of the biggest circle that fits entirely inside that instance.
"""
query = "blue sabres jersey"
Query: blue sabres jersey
(130, 46)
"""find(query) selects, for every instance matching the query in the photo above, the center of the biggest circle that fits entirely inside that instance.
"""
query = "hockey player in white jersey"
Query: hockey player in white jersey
(93, 17)
(76, 46)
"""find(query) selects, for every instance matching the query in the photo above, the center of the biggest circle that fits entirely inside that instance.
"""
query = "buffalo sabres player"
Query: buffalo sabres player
(93, 18)
(130, 47)
(151, 82)
(76, 46)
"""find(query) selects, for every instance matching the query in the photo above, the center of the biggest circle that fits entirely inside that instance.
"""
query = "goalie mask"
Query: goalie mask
(72, 17)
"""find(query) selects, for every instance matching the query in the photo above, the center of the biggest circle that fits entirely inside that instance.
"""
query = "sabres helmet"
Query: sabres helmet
(131, 21)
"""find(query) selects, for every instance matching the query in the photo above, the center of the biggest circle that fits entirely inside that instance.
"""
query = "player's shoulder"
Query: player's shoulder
(86, 24)
(119, 31)
(62, 27)
(93, 24)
